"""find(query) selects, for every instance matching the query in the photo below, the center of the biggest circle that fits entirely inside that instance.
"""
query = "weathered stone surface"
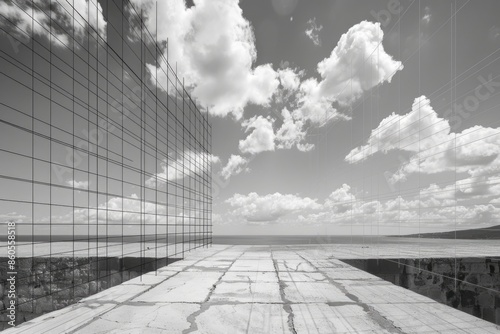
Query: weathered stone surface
(117, 294)
(155, 318)
(294, 266)
(243, 318)
(247, 292)
(255, 289)
(325, 319)
(63, 321)
(253, 276)
(252, 265)
(191, 287)
(302, 277)
(314, 292)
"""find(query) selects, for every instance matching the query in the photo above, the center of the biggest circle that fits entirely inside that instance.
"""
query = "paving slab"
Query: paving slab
(136, 318)
(314, 292)
(253, 265)
(294, 265)
(189, 287)
(149, 279)
(118, 294)
(243, 318)
(302, 277)
(64, 321)
(326, 319)
(383, 292)
(433, 318)
(349, 274)
(265, 289)
(259, 292)
(251, 276)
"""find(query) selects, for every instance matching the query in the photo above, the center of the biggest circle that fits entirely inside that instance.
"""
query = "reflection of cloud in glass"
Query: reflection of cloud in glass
(427, 15)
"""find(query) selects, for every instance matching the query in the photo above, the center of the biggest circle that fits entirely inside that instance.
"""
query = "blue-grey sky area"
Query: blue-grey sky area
(280, 182)
(328, 117)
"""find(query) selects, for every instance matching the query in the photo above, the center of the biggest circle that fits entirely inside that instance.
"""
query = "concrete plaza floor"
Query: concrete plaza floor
(266, 289)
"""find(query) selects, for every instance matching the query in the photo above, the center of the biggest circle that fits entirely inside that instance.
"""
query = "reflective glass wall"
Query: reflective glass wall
(105, 159)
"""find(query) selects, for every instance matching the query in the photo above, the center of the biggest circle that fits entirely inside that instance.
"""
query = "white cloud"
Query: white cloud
(350, 62)
(312, 31)
(432, 145)
(427, 15)
(187, 164)
(130, 210)
(433, 207)
(420, 129)
(213, 46)
(341, 199)
(21, 14)
(447, 206)
(261, 138)
(289, 78)
(271, 207)
(78, 184)
(289, 84)
(357, 64)
(291, 133)
(313, 106)
(305, 147)
(235, 165)
(12, 216)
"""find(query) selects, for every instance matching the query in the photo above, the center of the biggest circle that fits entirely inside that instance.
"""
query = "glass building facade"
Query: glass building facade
(105, 172)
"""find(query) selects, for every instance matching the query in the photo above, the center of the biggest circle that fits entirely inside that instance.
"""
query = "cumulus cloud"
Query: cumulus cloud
(235, 165)
(12, 217)
(261, 137)
(78, 184)
(312, 31)
(291, 133)
(341, 199)
(213, 46)
(130, 210)
(289, 78)
(420, 129)
(271, 207)
(187, 164)
(434, 206)
(357, 64)
(432, 145)
(34, 19)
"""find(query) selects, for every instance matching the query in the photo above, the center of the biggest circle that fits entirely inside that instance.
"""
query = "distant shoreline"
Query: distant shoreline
(488, 233)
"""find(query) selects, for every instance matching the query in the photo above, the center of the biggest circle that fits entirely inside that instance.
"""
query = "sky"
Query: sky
(283, 190)
(339, 116)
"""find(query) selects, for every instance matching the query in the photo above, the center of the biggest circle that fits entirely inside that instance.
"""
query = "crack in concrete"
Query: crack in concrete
(370, 311)
(286, 303)
(251, 305)
(140, 293)
(250, 285)
(205, 305)
(157, 311)
(202, 268)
